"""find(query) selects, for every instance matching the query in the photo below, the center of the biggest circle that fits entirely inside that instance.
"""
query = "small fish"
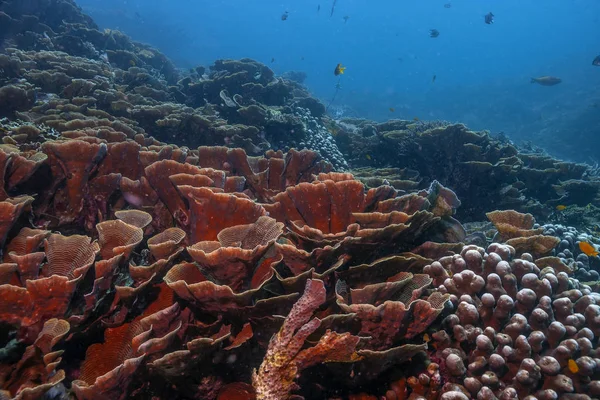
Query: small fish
(392, 109)
(302, 58)
(284, 16)
(561, 207)
(433, 79)
(416, 119)
(346, 18)
(318, 8)
(546, 80)
(448, 5)
(426, 340)
(339, 70)
(341, 288)
(368, 157)
(433, 33)
(573, 367)
(272, 59)
(488, 18)
(588, 249)
(333, 131)
(596, 61)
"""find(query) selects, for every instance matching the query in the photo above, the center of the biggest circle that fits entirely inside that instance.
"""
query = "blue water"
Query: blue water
(482, 71)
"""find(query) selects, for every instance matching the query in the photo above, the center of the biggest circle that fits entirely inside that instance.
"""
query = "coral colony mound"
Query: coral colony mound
(232, 265)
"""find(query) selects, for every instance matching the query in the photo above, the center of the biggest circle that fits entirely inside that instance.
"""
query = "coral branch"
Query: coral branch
(275, 377)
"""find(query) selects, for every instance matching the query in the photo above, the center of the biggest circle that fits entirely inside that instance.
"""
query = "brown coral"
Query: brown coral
(72, 162)
(274, 379)
(118, 237)
(512, 224)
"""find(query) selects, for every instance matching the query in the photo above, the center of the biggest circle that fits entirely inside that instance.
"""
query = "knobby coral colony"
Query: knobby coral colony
(141, 270)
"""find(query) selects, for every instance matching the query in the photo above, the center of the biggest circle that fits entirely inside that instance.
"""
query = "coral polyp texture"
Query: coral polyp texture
(239, 264)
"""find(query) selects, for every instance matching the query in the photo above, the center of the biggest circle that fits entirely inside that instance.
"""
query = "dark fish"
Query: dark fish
(433, 79)
(488, 18)
(546, 80)
(332, 8)
(318, 8)
(596, 61)
(341, 289)
(447, 5)
(434, 33)
(284, 16)
(273, 59)
(346, 18)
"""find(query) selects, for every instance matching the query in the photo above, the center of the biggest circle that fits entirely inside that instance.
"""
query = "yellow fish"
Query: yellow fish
(561, 207)
(588, 249)
(368, 156)
(416, 119)
(573, 367)
(426, 340)
(339, 70)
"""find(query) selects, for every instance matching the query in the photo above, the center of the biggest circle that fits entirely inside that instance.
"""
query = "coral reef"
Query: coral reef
(486, 173)
(168, 258)
(233, 266)
(67, 75)
(156, 261)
